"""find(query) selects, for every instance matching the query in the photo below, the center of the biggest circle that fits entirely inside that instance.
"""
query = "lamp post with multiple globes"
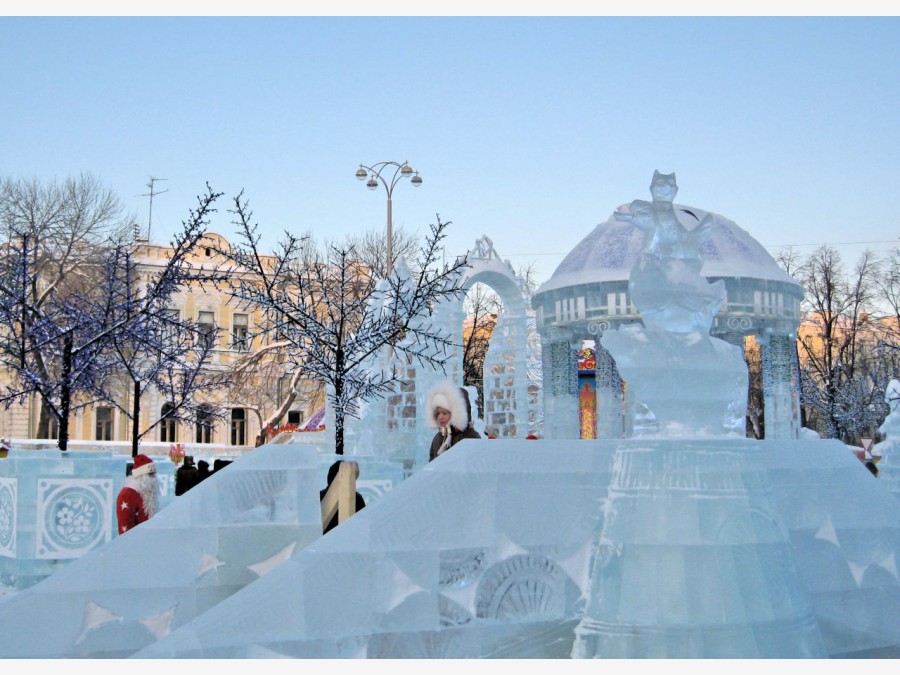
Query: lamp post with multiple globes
(378, 173)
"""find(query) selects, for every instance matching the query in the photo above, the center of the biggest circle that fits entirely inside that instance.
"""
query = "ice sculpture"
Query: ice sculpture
(229, 530)
(889, 462)
(484, 552)
(691, 382)
(718, 548)
(56, 506)
(393, 427)
(708, 546)
(501, 548)
(506, 377)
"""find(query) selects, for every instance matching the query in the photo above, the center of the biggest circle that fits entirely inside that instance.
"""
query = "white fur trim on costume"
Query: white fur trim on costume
(447, 395)
(144, 470)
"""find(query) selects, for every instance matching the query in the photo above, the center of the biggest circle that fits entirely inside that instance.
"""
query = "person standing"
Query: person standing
(186, 476)
(450, 412)
(138, 500)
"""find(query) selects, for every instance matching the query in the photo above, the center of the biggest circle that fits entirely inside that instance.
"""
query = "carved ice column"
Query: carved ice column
(560, 361)
(506, 379)
(535, 385)
(780, 387)
(609, 394)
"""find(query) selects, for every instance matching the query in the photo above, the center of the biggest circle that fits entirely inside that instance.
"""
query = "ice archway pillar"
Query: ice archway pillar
(511, 389)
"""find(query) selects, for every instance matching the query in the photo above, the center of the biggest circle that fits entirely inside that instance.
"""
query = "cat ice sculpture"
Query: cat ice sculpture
(666, 284)
(692, 383)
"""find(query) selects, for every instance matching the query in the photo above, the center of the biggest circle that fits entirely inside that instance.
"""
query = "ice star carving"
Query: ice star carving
(94, 616)
(161, 624)
(827, 532)
(267, 565)
(208, 563)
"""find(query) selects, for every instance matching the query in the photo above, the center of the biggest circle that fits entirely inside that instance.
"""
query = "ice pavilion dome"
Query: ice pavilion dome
(591, 283)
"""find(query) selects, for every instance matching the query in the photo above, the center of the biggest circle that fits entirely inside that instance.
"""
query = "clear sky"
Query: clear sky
(530, 130)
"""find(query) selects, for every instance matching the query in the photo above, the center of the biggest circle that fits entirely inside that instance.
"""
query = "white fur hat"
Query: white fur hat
(447, 395)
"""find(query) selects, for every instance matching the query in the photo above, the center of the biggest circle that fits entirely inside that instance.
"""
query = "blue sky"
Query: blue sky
(528, 129)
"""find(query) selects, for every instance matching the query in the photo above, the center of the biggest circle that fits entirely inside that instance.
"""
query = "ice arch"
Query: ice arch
(394, 428)
(511, 381)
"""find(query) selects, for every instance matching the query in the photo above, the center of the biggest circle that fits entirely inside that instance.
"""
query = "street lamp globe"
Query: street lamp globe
(406, 169)
(372, 184)
(361, 173)
(416, 180)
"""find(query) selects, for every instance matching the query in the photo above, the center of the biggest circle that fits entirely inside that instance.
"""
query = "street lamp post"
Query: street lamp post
(374, 175)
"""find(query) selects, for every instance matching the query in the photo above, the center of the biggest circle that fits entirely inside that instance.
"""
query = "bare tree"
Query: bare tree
(154, 347)
(789, 260)
(755, 401)
(528, 275)
(887, 283)
(268, 384)
(837, 317)
(370, 248)
(69, 346)
(55, 229)
(482, 307)
(337, 317)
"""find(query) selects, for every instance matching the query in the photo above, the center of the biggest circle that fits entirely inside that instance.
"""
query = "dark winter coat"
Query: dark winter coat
(457, 436)
(186, 477)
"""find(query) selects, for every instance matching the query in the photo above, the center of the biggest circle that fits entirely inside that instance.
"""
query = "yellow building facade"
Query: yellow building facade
(245, 407)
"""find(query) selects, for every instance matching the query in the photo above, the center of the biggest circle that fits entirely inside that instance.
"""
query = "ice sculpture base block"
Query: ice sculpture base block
(693, 383)
(693, 560)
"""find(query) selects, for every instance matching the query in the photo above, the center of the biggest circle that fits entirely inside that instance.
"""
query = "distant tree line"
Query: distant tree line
(849, 339)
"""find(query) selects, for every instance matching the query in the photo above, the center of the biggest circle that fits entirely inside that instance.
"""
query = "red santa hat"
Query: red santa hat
(142, 466)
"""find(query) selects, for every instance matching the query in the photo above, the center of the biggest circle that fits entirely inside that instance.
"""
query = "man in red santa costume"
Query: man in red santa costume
(138, 499)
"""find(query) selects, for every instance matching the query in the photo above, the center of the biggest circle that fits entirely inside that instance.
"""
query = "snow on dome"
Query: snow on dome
(611, 249)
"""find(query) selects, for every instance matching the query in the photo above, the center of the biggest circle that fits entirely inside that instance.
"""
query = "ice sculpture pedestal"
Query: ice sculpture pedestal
(692, 560)
(690, 381)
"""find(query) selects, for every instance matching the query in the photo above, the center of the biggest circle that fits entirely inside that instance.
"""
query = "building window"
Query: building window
(274, 328)
(239, 340)
(168, 426)
(104, 424)
(238, 426)
(295, 417)
(204, 425)
(171, 318)
(52, 428)
(207, 322)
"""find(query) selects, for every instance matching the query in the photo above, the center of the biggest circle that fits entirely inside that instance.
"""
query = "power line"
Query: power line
(838, 243)
(823, 243)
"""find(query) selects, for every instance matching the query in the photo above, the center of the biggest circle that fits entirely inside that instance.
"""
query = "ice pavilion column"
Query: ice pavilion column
(781, 391)
(559, 355)
(609, 394)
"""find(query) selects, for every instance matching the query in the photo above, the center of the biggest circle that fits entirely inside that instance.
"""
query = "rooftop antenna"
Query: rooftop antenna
(152, 194)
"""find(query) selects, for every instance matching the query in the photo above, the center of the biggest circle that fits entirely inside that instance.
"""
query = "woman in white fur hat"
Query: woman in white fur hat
(450, 412)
